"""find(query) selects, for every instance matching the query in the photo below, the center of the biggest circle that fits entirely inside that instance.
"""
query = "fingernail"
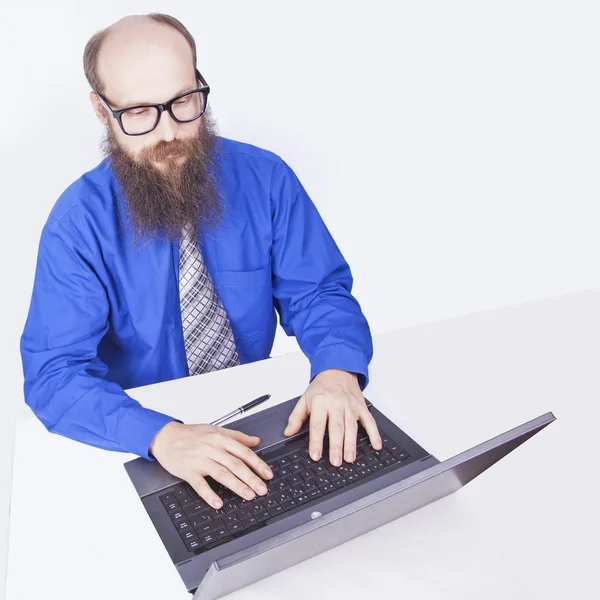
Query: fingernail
(249, 494)
(314, 455)
(217, 504)
(268, 473)
(349, 458)
(337, 459)
(262, 488)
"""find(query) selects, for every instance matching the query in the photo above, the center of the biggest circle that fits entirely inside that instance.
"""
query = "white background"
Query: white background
(451, 147)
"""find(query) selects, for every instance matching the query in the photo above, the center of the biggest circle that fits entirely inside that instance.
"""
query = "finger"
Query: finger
(297, 418)
(222, 474)
(243, 473)
(368, 422)
(350, 434)
(204, 490)
(336, 436)
(250, 458)
(318, 421)
(243, 438)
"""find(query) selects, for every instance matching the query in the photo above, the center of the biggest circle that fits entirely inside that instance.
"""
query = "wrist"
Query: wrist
(160, 436)
(338, 374)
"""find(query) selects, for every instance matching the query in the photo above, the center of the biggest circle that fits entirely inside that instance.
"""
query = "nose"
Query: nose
(167, 127)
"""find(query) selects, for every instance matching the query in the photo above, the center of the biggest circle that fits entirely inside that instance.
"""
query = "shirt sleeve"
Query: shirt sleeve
(312, 283)
(63, 377)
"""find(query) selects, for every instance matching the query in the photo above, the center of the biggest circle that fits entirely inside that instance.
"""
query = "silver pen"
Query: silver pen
(242, 409)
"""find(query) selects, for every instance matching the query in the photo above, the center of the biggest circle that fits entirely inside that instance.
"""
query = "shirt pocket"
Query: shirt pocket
(248, 299)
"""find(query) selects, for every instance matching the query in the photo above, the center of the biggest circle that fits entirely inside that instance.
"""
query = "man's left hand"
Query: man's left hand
(334, 397)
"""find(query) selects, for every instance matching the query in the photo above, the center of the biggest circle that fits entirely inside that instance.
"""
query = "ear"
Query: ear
(98, 108)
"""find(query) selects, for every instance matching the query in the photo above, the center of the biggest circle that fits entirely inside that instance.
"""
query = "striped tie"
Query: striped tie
(207, 334)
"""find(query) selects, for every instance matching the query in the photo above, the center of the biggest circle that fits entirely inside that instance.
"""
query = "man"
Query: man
(170, 259)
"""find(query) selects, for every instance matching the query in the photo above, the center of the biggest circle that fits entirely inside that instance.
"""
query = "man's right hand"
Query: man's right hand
(192, 452)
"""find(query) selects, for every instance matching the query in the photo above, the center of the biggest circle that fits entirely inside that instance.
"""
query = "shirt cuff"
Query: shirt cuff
(138, 428)
(344, 358)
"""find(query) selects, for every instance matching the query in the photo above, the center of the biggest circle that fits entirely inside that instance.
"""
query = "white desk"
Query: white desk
(527, 528)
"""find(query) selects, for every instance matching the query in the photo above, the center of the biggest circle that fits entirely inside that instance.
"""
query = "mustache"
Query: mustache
(169, 150)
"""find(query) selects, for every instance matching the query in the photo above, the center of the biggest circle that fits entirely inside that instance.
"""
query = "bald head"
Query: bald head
(142, 60)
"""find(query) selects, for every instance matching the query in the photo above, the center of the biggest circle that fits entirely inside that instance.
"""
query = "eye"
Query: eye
(139, 112)
(182, 101)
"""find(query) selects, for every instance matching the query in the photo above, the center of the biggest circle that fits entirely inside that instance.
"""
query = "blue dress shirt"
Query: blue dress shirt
(105, 314)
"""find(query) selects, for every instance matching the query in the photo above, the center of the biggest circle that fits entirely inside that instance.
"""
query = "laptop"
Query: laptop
(311, 506)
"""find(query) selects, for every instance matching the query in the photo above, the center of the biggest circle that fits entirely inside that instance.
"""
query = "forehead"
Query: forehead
(146, 68)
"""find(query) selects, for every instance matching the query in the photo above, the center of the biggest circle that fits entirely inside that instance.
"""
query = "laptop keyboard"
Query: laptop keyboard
(297, 481)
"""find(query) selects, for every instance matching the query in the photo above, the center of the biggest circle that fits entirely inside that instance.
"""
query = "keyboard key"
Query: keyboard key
(377, 466)
(275, 510)
(327, 488)
(340, 483)
(302, 499)
(177, 516)
(294, 480)
(322, 480)
(173, 507)
(297, 491)
(283, 462)
(200, 518)
(197, 507)
(295, 457)
(180, 492)
(352, 477)
(230, 506)
(257, 507)
(309, 485)
(263, 516)
(228, 519)
(370, 460)
(281, 485)
(306, 474)
(364, 471)
(334, 475)
(217, 512)
(183, 526)
(243, 513)
(193, 544)
(284, 472)
(249, 521)
(188, 535)
(315, 493)
(167, 498)
(270, 503)
(209, 538)
(221, 532)
(289, 504)
(235, 527)
(318, 469)
(303, 452)
(294, 468)
(186, 501)
(282, 497)
(193, 494)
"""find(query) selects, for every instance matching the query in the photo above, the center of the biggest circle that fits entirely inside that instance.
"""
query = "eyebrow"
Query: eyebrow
(183, 90)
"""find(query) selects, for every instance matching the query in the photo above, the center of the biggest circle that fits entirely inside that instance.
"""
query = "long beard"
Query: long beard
(161, 202)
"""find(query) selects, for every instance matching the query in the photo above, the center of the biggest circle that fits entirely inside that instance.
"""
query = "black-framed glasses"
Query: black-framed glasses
(142, 119)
